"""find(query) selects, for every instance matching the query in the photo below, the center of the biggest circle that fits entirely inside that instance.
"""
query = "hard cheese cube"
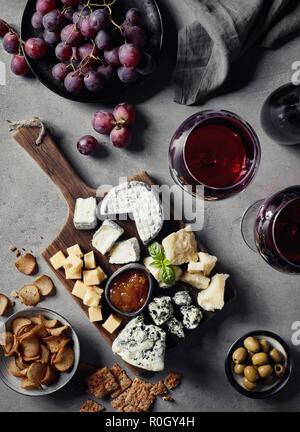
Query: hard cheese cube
(91, 297)
(95, 313)
(73, 275)
(106, 236)
(85, 214)
(94, 277)
(79, 289)
(75, 250)
(112, 323)
(73, 263)
(58, 260)
(89, 260)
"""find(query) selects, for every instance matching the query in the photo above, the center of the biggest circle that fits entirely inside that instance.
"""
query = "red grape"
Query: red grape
(86, 68)
(86, 50)
(19, 65)
(136, 35)
(134, 16)
(87, 145)
(69, 14)
(112, 57)
(37, 20)
(78, 17)
(120, 136)
(103, 40)
(99, 19)
(93, 81)
(125, 113)
(70, 2)
(86, 29)
(73, 83)
(71, 35)
(147, 64)
(11, 43)
(45, 6)
(53, 20)
(36, 48)
(107, 72)
(129, 55)
(51, 37)
(103, 122)
(127, 75)
(60, 71)
(63, 52)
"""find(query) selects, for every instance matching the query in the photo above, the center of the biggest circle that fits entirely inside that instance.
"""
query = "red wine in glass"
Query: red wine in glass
(280, 115)
(217, 150)
(276, 229)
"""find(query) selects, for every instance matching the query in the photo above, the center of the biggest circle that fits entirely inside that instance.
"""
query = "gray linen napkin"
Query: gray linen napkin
(223, 30)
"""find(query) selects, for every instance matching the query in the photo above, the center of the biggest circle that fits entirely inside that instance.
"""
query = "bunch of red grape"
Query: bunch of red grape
(91, 47)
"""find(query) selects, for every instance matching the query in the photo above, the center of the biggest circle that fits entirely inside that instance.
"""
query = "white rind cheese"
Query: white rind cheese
(182, 298)
(155, 272)
(161, 309)
(191, 316)
(205, 264)
(139, 199)
(85, 214)
(126, 251)
(181, 246)
(197, 280)
(176, 327)
(106, 236)
(213, 297)
(141, 345)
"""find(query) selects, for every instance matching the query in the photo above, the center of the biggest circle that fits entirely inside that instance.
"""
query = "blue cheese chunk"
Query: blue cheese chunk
(85, 214)
(161, 309)
(106, 236)
(175, 326)
(182, 298)
(126, 251)
(191, 316)
(141, 345)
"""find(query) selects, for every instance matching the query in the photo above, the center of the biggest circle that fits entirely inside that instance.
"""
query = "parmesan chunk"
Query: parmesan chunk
(181, 246)
(205, 264)
(213, 297)
(197, 280)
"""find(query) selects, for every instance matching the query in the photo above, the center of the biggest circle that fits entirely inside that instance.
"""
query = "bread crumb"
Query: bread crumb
(18, 253)
(14, 294)
(12, 248)
(12, 303)
(168, 398)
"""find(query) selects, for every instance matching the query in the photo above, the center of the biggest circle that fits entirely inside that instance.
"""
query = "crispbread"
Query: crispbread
(123, 380)
(172, 380)
(91, 406)
(159, 388)
(102, 383)
(136, 398)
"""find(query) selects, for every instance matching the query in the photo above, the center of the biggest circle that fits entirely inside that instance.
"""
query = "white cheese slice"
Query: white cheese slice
(197, 280)
(205, 264)
(85, 214)
(106, 236)
(181, 246)
(155, 272)
(126, 251)
(213, 297)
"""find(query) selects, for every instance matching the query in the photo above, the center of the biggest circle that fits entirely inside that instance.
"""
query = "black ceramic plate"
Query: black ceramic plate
(278, 384)
(152, 23)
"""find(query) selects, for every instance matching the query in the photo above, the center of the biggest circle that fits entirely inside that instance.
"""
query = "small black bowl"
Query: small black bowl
(276, 342)
(117, 273)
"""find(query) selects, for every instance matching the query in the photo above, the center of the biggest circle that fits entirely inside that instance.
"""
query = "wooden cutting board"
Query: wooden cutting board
(54, 164)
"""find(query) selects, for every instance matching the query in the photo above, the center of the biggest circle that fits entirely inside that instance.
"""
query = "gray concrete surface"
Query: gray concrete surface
(32, 207)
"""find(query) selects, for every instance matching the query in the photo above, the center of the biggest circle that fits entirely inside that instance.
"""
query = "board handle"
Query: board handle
(54, 164)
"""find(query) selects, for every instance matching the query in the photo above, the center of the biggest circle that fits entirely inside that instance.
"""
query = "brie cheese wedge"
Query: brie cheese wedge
(85, 214)
(126, 251)
(106, 236)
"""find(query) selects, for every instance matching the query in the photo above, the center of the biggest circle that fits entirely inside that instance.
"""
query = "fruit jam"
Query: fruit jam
(216, 153)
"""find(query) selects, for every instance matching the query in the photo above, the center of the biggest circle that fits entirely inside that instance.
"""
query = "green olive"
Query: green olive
(239, 355)
(260, 359)
(276, 356)
(279, 370)
(264, 344)
(239, 369)
(265, 371)
(251, 344)
(250, 354)
(251, 373)
(268, 380)
(248, 384)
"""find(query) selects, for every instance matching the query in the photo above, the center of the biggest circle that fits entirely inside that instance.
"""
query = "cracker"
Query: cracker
(159, 388)
(91, 406)
(27, 264)
(102, 383)
(44, 284)
(29, 295)
(172, 380)
(65, 361)
(136, 398)
(123, 380)
(20, 323)
(4, 302)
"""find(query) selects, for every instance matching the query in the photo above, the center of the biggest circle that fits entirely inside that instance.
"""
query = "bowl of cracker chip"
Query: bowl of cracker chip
(39, 352)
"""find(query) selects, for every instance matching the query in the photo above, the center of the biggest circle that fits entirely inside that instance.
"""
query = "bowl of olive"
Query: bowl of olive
(258, 365)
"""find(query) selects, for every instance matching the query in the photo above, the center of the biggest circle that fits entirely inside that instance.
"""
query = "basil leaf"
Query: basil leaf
(156, 264)
(167, 262)
(156, 251)
(167, 275)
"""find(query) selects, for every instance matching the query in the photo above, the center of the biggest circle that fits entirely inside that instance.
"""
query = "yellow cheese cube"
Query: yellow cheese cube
(89, 260)
(93, 277)
(112, 323)
(74, 263)
(75, 249)
(91, 298)
(79, 289)
(97, 290)
(95, 313)
(58, 260)
(73, 275)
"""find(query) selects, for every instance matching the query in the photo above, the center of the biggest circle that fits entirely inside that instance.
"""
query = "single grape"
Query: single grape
(86, 50)
(71, 35)
(103, 40)
(36, 48)
(78, 17)
(99, 19)
(51, 37)
(60, 71)
(73, 82)
(93, 81)
(69, 14)
(129, 55)
(107, 71)
(86, 29)
(63, 52)
(53, 20)
(103, 122)
(127, 75)
(120, 136)
(70, 2)
(87, 145)
(123, 28)
(37, 20)
(19, 65)
(136, 35)
(125, 113)
(86, 68)
(45, 6)
(134, 16)
(147, 64)
(112, 57)
(11, 43)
